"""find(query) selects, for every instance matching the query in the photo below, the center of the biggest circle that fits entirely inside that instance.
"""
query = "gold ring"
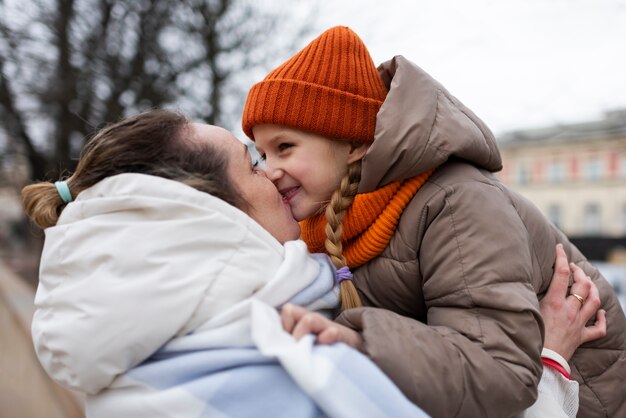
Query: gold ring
(580, 298)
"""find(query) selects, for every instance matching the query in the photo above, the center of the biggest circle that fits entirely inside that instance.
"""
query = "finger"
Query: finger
(560, 280)
(581, 289)
(337, 333)
(592, 303)
(597, 330)
(581, 282)
(310, 323)
(286, 319)
(289, 316)
(330, 335)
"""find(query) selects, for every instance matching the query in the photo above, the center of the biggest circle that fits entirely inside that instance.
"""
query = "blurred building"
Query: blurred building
(576, 174)
(616, 275)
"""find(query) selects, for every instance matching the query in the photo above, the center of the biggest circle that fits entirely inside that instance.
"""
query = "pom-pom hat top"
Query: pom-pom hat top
(331, 88)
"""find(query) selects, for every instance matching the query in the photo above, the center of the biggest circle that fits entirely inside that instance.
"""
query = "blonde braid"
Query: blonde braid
(340, 201)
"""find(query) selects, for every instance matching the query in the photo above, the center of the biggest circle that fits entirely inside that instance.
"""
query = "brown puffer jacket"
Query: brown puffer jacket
(469, 261)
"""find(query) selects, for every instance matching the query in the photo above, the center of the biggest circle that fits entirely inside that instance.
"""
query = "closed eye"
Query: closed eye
(259, 163)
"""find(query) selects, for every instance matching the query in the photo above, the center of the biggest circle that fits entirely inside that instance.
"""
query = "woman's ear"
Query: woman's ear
(357, 151)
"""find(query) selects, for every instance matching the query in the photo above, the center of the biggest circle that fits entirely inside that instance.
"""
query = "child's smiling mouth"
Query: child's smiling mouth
(289, 193)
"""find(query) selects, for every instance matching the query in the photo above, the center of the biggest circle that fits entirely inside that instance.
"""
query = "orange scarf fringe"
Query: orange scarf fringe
(369, 223)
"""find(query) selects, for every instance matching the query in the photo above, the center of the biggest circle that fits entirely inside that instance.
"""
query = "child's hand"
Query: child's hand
(565, 316)
(299, 322)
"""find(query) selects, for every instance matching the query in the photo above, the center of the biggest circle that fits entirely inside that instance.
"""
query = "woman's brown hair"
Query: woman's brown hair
(158, 143)
(340, 201)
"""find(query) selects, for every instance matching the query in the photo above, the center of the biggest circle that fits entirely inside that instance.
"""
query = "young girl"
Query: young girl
(392, 176)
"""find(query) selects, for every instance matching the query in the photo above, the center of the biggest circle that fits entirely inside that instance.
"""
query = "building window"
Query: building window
(593, 170)
(538, 171)
(523, 174)
(555, 215)
(613, 165)
(556, 172)
(622, 168)
(591, 219)
(573, 168)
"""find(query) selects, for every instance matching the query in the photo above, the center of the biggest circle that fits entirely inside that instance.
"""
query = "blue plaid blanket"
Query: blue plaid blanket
(275, 376)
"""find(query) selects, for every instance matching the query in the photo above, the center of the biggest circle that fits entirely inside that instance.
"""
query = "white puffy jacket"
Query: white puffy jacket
(168, 258)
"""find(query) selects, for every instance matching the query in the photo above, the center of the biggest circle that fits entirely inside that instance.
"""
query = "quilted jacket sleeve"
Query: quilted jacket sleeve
(478, 354)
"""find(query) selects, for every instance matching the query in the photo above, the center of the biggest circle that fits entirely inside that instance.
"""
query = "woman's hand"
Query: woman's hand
(565, 314)
(299, 322)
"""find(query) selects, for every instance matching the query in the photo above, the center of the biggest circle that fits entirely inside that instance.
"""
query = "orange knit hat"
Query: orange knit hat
(331, 88)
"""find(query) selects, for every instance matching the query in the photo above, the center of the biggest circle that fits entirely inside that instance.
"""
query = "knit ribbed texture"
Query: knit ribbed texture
(369, 223)
(331, 87)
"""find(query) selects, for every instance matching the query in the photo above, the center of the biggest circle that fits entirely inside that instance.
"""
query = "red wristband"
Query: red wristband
(556, 366)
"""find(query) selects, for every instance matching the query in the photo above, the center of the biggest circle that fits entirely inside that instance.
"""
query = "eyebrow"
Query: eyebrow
(278, 136)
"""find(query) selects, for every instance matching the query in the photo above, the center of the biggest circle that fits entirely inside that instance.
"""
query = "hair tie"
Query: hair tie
(343, 273)
(64, 191)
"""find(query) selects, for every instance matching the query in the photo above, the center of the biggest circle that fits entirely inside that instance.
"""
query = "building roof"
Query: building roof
(613, 125)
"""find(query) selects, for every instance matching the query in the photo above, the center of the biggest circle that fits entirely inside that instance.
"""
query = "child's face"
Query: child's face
(305, 167)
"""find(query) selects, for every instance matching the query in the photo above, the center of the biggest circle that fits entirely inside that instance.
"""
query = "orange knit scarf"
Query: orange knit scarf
(369, 223)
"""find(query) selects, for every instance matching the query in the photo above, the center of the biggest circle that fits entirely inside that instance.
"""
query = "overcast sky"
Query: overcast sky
(516, 63)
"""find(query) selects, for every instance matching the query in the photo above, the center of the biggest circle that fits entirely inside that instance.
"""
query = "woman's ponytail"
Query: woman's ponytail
(42, 203)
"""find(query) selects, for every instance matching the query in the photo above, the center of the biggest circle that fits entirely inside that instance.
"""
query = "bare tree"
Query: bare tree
(70, 66)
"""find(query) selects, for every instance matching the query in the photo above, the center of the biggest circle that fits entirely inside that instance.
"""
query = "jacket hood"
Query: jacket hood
(134, 261)
(420, 126)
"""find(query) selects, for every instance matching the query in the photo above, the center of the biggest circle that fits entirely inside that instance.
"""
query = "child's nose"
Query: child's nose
(273, 172)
